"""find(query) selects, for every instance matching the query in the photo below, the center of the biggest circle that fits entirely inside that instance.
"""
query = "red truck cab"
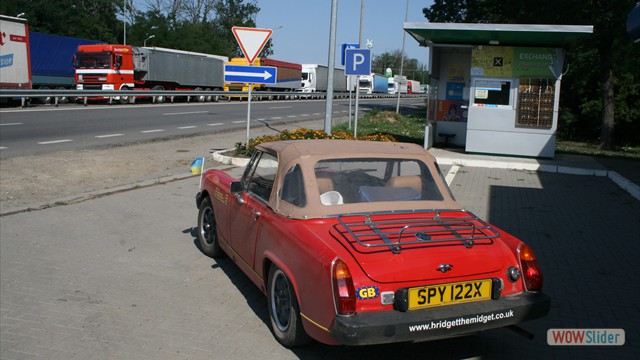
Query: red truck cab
(104, 67)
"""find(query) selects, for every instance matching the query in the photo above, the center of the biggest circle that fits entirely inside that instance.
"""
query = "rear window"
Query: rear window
(374, 180)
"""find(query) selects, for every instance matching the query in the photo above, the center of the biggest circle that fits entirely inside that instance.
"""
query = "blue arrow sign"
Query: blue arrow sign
(250, 74)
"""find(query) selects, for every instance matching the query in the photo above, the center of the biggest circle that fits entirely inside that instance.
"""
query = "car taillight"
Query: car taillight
(344, 294)
(531, 274)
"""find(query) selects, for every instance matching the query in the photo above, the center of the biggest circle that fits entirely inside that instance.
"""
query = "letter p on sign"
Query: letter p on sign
(358, 62)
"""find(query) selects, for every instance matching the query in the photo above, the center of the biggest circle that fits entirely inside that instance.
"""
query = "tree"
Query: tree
(410, 67)
(90, 19)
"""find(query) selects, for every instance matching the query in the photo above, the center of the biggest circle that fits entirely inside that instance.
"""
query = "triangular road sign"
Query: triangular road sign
(251, 40)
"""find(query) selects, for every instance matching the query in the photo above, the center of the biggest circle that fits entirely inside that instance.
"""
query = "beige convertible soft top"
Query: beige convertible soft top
(308, 153)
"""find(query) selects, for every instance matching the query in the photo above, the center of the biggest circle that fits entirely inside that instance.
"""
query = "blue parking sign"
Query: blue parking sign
(343, 48)
(358, 62)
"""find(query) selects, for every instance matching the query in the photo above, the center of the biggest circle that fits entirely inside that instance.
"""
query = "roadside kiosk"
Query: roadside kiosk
(495, 88)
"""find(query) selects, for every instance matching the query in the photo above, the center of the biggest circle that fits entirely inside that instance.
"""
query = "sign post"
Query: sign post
(350, 78)
(251, 41)
(357, 62)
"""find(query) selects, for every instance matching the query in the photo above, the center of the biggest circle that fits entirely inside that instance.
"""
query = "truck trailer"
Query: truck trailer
(124, 67)
(15, 64)
(288, 76)
(52, 62)
(413, 87)
(315, 79)
(374, 83)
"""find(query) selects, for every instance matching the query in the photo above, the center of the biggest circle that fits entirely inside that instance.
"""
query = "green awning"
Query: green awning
(428, 34)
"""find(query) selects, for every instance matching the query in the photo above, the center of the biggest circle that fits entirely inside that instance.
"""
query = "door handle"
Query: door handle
(256, 214)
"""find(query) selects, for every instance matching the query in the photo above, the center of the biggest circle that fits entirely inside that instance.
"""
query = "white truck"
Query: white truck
(414, 87)
(15, 69)
(314, 79)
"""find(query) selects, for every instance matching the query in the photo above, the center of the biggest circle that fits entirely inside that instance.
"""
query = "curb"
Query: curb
(624, 183)
(228, 160)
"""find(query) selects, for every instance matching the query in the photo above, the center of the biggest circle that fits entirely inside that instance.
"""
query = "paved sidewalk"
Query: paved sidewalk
(121, 277)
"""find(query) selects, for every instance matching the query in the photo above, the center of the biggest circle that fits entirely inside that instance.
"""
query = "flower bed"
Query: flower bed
(241, 149)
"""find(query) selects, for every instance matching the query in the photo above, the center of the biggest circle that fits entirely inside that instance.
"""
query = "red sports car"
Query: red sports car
(357, 242)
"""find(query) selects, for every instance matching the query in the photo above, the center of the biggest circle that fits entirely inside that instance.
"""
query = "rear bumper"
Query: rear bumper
(437, 323)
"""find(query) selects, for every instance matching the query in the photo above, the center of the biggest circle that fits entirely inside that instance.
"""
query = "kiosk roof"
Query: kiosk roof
(428, 34)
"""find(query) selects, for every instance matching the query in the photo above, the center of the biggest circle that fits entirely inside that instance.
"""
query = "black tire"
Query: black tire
(160, 98)
(46, 100)
(284, 311)
(124, 99)
(207, 232)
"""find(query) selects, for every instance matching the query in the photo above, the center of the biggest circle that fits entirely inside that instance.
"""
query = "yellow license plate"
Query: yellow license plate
(448, 294)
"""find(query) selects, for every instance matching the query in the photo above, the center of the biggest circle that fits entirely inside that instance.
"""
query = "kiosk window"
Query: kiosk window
(492, 93)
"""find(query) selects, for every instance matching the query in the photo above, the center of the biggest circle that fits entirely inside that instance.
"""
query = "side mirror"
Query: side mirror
(118, 61)
(236, 187)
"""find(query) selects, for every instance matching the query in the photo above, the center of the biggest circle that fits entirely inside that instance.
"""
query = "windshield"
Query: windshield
(92, 61)
(373, 180)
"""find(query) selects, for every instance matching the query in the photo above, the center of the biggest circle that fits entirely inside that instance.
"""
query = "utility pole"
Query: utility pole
(404, 36)
(355, 119)
(328, 113)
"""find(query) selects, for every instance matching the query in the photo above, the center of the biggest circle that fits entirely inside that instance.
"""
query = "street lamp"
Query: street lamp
(145, 40)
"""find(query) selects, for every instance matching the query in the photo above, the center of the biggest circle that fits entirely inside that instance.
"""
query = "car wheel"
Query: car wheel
(207, 234)
(284, 311)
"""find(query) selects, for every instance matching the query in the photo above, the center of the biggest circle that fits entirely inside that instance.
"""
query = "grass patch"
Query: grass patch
(585, 148)
(377, 125)
(403, 128)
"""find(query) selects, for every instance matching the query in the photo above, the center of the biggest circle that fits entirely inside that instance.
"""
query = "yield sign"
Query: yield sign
(251, 40)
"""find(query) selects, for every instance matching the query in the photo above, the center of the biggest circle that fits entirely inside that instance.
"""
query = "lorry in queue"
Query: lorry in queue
(15, 65)
(52, 62)
(125, 67)
(315, 79)
(288, 77)
(413, 87)
(374, 83)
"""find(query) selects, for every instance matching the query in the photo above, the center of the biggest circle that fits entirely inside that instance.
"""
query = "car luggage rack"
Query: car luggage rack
(439, 227)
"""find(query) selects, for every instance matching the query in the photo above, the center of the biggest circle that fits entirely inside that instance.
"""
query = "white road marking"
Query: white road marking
(108, 136)
(304, 115)
(186, 113)
(151, 131)
(186, 127)
(54, 142)
(216, 124)
(2, 147)
(280, 107)
(10, 124)
(239, 122)
(451, 174)
(292, 116)
(276, 118)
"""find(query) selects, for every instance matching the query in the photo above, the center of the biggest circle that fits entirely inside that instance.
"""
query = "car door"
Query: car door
(250, 206)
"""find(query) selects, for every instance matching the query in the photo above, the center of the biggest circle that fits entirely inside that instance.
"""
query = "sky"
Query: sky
(301, 28)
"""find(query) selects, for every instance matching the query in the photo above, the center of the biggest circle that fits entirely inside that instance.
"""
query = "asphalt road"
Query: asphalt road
(43, 129)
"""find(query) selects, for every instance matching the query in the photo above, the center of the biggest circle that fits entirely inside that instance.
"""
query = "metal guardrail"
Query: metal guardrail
(111, 95)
